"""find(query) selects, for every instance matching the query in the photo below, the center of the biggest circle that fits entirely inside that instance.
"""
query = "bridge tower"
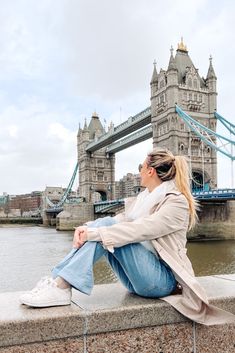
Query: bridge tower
(96, 169)
(197, 96)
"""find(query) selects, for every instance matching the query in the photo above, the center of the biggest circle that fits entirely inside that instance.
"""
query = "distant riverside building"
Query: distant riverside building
(3, 199)
(20, 205)
(31, 204)
(4, 204)
(26, 203)
(128, 185)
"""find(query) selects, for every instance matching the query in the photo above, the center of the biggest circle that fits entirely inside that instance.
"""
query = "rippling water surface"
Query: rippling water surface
(28, 253)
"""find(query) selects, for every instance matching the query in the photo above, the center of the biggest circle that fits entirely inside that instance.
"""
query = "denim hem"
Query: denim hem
(83, 288)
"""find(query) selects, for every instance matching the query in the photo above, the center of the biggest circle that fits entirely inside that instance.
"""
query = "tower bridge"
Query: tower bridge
(182, 117)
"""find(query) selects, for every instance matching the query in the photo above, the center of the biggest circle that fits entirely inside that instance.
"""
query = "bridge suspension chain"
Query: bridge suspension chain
(229, 126)
(66, 193)
(207, 135)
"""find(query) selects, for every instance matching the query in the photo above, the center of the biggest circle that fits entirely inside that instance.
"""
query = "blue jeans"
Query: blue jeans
(140, 271)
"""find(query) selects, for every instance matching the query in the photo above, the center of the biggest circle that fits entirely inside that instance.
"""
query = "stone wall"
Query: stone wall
(112, 320)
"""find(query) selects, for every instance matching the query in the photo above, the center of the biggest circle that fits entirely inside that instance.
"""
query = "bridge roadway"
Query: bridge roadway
(131, 125)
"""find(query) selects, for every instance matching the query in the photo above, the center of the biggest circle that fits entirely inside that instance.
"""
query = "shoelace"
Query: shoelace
(44, 282)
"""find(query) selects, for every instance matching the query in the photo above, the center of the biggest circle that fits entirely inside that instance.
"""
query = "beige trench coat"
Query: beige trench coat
(166, 227)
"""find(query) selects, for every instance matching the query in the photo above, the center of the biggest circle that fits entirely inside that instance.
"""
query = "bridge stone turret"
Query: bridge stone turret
(211, 84)
(96, 169)
(182, 84)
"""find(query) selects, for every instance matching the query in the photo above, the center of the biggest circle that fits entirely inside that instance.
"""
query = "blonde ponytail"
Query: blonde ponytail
(182, 181)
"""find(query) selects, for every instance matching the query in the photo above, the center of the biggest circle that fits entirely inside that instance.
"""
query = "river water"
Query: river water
(28, 253)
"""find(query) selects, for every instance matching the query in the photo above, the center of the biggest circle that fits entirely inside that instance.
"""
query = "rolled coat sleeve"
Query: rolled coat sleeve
(169, 218)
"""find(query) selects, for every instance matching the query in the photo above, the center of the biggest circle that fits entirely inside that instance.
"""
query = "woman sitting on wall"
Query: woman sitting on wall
(144, 245)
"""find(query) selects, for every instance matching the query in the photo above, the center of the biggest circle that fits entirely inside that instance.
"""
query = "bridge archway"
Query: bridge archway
(99, 195)
(103, 194)
(200, 183)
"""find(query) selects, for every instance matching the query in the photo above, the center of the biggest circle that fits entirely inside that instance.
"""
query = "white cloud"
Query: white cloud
(38, 152)
(63, 134)
(13, 130)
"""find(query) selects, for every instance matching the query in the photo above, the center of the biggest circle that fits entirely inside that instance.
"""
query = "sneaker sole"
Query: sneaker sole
(44, 305)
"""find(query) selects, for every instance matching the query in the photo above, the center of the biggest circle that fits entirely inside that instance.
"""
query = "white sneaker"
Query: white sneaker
(44, 281)
(45, 294)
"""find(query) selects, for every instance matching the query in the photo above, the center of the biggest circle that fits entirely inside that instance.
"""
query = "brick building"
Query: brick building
(24, 204)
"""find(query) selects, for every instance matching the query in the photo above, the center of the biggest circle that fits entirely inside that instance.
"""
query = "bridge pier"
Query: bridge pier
(49, 219)
(74, 215)
(216, 221)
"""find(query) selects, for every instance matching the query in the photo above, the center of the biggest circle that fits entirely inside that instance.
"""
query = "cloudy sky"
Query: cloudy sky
(62, 59)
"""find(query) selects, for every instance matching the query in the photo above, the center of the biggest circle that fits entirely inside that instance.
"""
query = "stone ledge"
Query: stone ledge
(110, 308)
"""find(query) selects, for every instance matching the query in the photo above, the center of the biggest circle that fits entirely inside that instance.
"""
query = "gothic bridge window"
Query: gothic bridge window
(163, 128)
(100, 163)
(182, 127)
(194, 151)
(181, 147)
(162, 83)
(195, 83)
(100, 176)
(195, 140)
(190, 82)
(213, 125)
(161, 98)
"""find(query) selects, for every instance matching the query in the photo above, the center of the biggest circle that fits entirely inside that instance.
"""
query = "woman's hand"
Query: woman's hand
(79, 237)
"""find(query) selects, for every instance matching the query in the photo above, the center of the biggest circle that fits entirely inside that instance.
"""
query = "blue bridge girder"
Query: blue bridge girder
(214, 195)
(54, 210)
(132, 124)
(104, 206)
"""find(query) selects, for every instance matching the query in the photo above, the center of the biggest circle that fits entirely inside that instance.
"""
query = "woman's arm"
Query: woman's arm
(171, 217)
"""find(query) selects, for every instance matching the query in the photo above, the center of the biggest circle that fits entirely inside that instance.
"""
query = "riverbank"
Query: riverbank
(20, 220)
